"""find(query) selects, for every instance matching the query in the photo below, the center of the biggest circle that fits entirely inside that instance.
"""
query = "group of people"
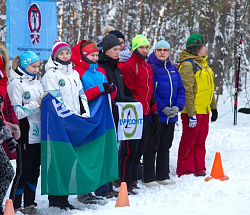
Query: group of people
(163, 90)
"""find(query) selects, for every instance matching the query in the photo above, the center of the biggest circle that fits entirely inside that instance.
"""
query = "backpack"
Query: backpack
(195, 65)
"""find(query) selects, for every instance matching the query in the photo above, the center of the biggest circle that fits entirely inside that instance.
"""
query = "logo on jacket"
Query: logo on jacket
(26, 95)
(34, 22)
(61, 82)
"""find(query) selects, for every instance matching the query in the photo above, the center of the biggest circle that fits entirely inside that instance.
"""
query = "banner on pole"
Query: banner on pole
(31, 26)
(130, 124)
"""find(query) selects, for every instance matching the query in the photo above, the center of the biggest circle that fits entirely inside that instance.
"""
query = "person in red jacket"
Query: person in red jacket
(11, 119)
(138, 84)
(6, 169)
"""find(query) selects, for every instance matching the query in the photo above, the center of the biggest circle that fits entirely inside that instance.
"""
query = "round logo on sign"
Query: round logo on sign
(130, 114)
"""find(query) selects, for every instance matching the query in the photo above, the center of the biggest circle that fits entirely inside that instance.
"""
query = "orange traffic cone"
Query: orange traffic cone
(9, 209)
(217, 169)
(122, 199)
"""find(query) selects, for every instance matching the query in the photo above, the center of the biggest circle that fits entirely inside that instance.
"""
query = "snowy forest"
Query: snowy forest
(221, 21)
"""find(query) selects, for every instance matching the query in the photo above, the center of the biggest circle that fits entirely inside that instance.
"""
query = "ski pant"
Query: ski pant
(27, 173)
(6, 174)
(192, 151)
(158, 143)
(131, 153)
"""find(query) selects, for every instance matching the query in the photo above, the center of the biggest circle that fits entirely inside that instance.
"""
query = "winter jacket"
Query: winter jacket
(24, 90)
(3, 70)
(64, 83)
(114, 76)
(92, 76)
(168, 87)
(199, 86)
(138, 81)
(9, 116)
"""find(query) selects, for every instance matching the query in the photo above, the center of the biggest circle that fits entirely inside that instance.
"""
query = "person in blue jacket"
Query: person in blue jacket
(170, 98)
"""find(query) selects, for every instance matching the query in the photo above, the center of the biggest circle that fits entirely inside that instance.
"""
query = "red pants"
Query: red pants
(192, 151)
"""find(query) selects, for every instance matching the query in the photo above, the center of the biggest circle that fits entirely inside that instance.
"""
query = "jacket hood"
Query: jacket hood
(5, 57)
(124, 55)
(56, 65)
(76, 57)
(152, 59)
(18, 73)
(185, 55)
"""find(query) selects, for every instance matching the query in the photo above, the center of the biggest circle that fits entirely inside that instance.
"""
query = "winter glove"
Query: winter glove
(9, 139)
(15, 130)
(214, 115)
(156, 121)
(192, 121)
(167, 110)
(174, 111)
(108, 87)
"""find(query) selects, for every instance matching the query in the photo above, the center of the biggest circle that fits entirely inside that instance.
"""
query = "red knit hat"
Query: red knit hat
(90, 48)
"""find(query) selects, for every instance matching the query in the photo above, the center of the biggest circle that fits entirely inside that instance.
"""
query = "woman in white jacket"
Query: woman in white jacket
(64, 83)
(25, 93)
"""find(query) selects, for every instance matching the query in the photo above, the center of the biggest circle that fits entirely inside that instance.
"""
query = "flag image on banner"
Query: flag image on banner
(130, 123)
(78, 155)
(31, 26)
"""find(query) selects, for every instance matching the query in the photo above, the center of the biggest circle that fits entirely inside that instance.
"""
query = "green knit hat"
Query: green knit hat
(195, 43)
(139, 40)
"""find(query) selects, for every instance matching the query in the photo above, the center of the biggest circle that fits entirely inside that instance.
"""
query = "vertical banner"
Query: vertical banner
(31, 26)
(130, 124)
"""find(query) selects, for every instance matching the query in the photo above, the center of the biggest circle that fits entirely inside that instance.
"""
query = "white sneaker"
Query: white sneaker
(166, 182)
(151, 184)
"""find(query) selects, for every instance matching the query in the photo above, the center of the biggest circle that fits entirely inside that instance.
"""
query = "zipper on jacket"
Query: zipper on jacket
(147, 86)
(171, 84)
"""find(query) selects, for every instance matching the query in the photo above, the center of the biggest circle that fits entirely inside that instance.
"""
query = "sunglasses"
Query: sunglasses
(162, 50)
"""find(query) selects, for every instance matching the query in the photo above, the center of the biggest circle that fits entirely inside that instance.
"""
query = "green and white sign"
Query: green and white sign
(130, 120)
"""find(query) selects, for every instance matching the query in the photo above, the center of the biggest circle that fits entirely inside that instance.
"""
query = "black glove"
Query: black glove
(9, 139)
(108, 87)
(214, 115)
(156, 121)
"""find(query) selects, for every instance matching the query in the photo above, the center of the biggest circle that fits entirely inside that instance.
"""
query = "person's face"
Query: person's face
(93, 57)
(33, 68)
(64, 55)
(114, 52)
(143, 50)
(162, 53)
(122, 42)
(203, 51)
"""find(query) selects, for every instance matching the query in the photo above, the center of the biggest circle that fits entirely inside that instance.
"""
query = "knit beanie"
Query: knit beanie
(163, 44)
(107, 29)
(110, 41)
(139, 40)
(27, 58)
(90, 48)
(59, 46)
(118, 34)
(195, 43)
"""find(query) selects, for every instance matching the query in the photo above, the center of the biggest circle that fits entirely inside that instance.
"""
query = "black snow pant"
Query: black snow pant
(131, 153)
(158, 143)
(6, 174)
(27, 174)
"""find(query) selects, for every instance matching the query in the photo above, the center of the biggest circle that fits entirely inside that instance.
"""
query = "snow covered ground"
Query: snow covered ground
(191, 195)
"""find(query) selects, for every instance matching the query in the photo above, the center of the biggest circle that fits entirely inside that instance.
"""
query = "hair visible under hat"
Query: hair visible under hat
(110, 41)
(59, 46)
(194, 43)
(27, 58)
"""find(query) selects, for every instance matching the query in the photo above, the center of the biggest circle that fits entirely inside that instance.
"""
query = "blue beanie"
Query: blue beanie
(27, 58)
(163, 44)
